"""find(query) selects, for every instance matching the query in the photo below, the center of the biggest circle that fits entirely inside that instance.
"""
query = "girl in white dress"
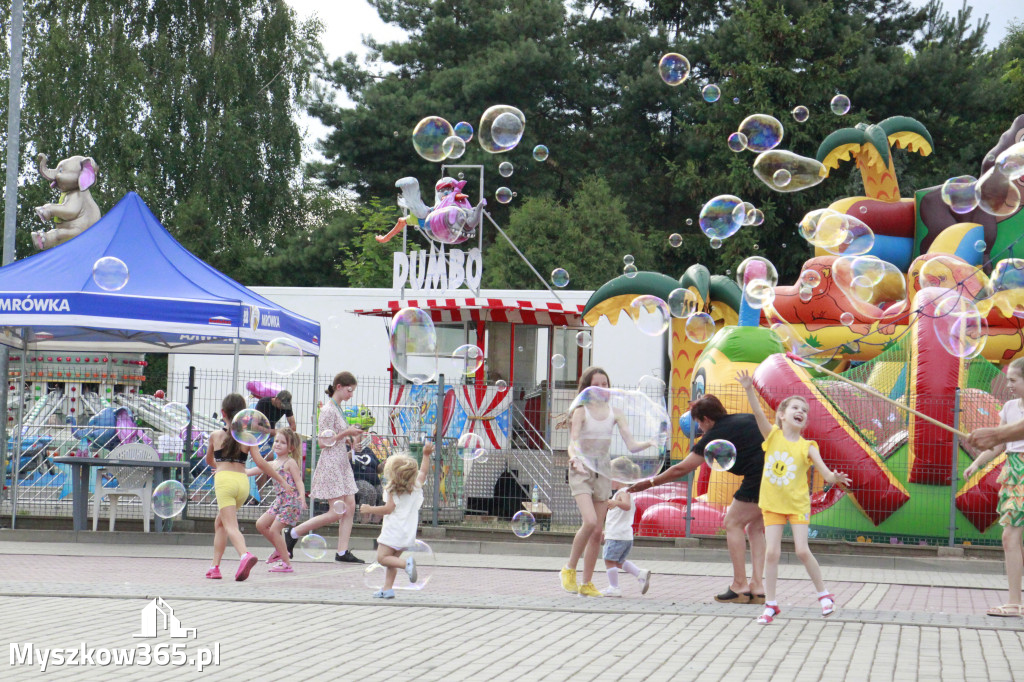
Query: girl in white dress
(403, 497)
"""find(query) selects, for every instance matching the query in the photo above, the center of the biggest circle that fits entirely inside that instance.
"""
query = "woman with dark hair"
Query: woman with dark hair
(333, 479)
(590, 427)
(744, 516)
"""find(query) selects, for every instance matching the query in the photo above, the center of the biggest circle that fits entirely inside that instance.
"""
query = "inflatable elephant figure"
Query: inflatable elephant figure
(76, 210)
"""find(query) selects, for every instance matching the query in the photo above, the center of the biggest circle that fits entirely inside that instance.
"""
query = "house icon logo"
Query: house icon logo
(158, 615)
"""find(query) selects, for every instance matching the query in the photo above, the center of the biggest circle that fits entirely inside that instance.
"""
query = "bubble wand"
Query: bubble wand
(867, 389)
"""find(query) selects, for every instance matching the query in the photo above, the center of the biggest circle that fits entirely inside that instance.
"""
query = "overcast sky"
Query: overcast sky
(347, 21)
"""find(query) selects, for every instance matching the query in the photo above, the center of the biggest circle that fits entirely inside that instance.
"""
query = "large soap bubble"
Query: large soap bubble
(699, 328)
(711, 92)
(682, 302)
(651, 314)
(429, 135)
(373, 575)
(468, 358)
(313, 546)
(110, 273)
(874, 288)
(1011, 162)
(737, 142)
(674, 68)
(169, 499)
(840, 105)
(960, 328)
(997, 194)
(250, 427)
(632, 454)
(857, 236)
(958, 193)
(720, 455)
(501, 127)
(824, 227)
(719, 219)
(283, 356)
(413, 345)
(756, 267)
(453, 147)
(763, 132)
(449, 224)
(464, 131)
(523, 524)
(803, 172)
(471, 446)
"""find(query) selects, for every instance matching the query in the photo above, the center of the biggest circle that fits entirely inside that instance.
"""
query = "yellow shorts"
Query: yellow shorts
(231, 488)
(774, 519)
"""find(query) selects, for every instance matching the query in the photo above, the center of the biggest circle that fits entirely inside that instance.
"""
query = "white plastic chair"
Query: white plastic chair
(131, 481)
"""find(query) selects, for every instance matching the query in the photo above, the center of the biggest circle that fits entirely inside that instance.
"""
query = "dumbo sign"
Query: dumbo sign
(434, 271)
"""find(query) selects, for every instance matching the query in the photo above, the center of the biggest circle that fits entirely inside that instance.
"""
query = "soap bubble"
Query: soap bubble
(875, 289)
(803, 171)
(169, 499)
(747, 210)
(811, 278)
(560, 278)
(718, 217)
(339, 507)
(800, 113)
(177, 415)
(250, 427)
(840, 105)
(313, 546)
(781, 177)
(429, 135)
(997, 195)
(755, 218)
(735, 100)
(720, 455)
(651, 314)
(846, 319)
(501, 127)
(463, 131)
(675, 240)
(806, 293)
(373, 574)
(540, 153)
(980, 246)
(737, 142)
(682, 302)
(716, 243)
(758, 293)
(606, 454)
(503, 195)
(674, 68)
(857, 237)
(453, 147)
(283, 356)
(584, 339)
(711, 92)
(327, 438)
(501, 385)
(110, 273)
(652, 387)
(824, 227)
(700, 327)
(469, 358)
(629, 271)
(756, 267)
(471, 446)
(334, 322)
(958, 193)
(523, 524)
(960, 327)
(1011, 161)
(763, 132)
(448, 224)
(413, 342)
(689, 221)
(505, 169)
(558, 361)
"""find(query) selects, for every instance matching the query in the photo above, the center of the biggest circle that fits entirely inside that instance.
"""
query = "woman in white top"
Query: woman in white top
(590, 434)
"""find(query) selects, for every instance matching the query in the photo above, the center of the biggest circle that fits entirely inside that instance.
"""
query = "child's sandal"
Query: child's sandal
(770, 611)
(1007, 611)
(828, 604)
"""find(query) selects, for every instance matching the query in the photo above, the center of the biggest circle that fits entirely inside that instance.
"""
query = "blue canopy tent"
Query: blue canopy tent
(172, 301)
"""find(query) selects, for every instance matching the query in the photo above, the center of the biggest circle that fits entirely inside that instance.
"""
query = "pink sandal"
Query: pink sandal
(281, 567)
(770, 611)
(274, 557)
(829, 607)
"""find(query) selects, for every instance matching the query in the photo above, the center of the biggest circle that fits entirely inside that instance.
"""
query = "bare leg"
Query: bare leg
(773, 552)
(803, 553)
(228, 516)
(585, 503)
(327, 518)
(1014, 560)
(345, 522)
(593, 549)
(737, 518)
(755, 533)
(220, 540)
(391, 560)
(276, 538)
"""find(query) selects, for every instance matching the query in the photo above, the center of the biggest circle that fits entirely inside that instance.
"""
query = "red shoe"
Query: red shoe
(214, 573)
(770, 611)
(245, 565)
(828, 604)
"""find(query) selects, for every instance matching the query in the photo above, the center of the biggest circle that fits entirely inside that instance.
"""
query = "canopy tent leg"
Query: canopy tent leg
(315, 449)
(16, 459)
(234, 367)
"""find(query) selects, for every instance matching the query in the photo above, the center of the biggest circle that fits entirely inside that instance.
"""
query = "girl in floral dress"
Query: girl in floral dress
(288, 506)
(333, 480)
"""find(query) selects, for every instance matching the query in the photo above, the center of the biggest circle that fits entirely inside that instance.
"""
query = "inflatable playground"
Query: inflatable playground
(897, 332)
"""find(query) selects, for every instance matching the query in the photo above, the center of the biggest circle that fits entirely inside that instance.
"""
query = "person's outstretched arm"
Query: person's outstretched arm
(690, 463)
(747, 382)
(988, 437)
(830, 476)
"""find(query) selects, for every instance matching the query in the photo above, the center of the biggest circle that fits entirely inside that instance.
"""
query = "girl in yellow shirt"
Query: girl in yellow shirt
(785, 494)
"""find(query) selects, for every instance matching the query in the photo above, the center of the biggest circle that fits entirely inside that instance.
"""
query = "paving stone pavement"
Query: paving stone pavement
(498, 617)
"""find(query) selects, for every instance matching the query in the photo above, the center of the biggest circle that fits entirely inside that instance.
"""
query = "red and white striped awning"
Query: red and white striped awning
(488, 310)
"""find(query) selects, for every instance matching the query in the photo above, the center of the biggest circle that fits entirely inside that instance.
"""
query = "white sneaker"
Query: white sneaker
(611, 592)
(645, 581)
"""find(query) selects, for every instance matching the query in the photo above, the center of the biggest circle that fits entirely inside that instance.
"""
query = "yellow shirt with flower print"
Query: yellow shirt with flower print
(784, 487)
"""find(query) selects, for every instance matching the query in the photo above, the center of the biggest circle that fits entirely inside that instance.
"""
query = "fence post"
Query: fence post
(689, 483)
(954, 474)
(438, 422)
(187, 449)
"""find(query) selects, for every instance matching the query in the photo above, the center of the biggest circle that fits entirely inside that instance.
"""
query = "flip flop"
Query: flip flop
(730, 597)
(755, 598)
(1007, 610)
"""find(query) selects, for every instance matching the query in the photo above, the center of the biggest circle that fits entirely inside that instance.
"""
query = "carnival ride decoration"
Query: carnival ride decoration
(451, 220)
(75, 210)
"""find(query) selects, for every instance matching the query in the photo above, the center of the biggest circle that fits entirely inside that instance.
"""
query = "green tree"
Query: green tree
(368, 263)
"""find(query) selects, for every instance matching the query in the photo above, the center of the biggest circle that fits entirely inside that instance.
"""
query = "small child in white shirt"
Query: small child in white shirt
(618, 536)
